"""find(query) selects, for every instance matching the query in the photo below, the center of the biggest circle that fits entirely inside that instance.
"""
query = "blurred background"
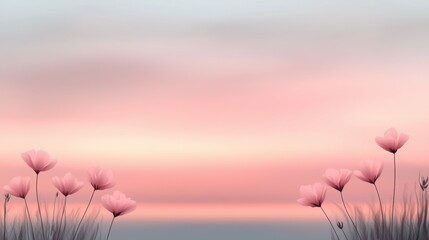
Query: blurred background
(211, 114)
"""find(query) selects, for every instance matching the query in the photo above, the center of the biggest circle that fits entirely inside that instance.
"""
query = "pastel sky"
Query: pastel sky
(213, 102)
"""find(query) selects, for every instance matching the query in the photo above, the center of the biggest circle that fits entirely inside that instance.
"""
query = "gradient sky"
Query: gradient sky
(220, 102)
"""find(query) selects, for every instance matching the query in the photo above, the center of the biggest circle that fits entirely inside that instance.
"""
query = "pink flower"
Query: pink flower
(67, 185)
(38, 160)
(118, 204)
(337, 179)
(312, 195)
(18, 187)
(101, 179)
(369, 171)
(391, 142)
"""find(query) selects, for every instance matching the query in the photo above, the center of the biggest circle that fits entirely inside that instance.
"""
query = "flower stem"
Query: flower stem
(320, 208)
(62, 215)
(111, 223)
(425, 214)
(348, 214)
(420, 215)
(345, 234)
(29, 218)
(394, 188)
(53, 212)
(382, 212)
(38, 205)
(80, 222)
(4, 219)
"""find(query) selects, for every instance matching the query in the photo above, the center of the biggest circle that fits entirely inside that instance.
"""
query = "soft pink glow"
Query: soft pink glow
(234, 111)
(242, 211)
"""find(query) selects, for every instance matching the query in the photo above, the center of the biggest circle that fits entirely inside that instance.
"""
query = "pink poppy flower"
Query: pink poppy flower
(312, 195)
(391, 141)
(38, 160)
(67, 185)
(337, 179)
(100, 179)
(118, 204)
(369, 171)
(18, 187)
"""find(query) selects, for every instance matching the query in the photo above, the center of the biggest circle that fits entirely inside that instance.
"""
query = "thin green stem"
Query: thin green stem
(38, 205)
(80, 222)
(348, 214)
(29, 217)
(326, 215)
(111, 223)
(382, 212)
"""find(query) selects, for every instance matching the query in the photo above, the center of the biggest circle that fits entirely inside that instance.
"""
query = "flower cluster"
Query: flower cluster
(369, 171)
(100, 179)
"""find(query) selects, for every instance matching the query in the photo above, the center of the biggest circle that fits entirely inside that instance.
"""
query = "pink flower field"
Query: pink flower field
(409, 221)
(65, 223)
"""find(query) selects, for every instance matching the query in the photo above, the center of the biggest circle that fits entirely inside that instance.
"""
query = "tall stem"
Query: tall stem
(53, 212)
(320, 208)
(344, 234)
(80, 222)
(348, 214)
(4, 219)
(382, 212)
(62, 215)
(421, 215)
(29, 218)
(425, 214)
(111, 223)
(394, 188)
(38, 205)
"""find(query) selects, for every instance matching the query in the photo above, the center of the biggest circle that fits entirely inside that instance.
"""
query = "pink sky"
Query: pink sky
(218, 111)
